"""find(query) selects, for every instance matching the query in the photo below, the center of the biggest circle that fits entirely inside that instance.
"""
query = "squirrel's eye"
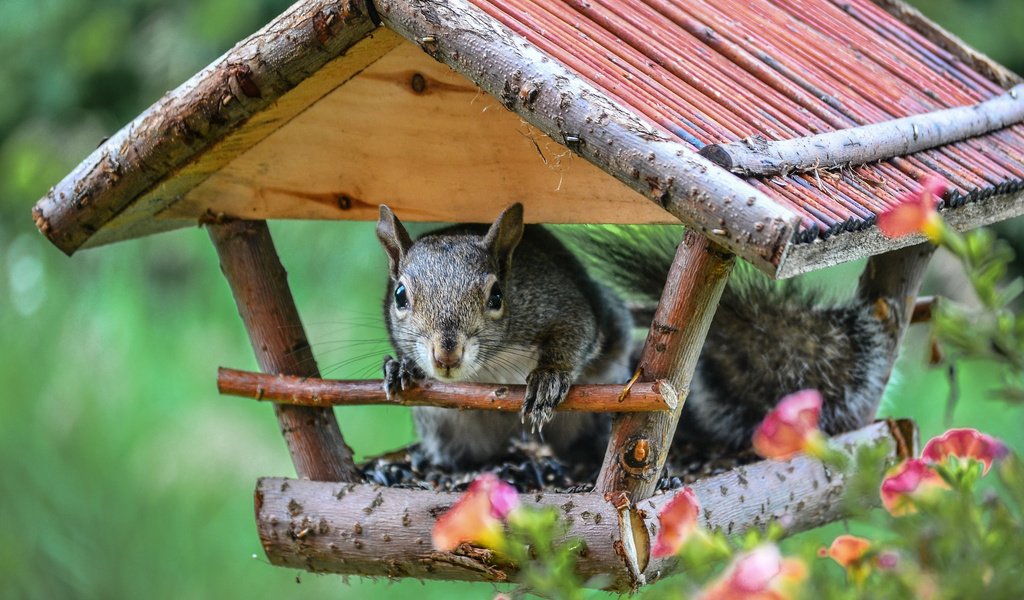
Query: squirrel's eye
(494, 300)
(401, 297)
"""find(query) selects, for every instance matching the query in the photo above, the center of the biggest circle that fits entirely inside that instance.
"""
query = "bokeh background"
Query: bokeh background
(122, 472)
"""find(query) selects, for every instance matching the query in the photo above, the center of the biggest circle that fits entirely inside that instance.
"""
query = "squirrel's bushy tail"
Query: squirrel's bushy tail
(767, 339)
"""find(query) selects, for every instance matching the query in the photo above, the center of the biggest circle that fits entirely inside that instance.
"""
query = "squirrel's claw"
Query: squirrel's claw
(400, 374)
(545, 390)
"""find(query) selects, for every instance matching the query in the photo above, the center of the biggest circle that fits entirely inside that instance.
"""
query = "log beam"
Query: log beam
(639, 443)
(310, 391)
(869, 143)
(368, 530)
(259, 285)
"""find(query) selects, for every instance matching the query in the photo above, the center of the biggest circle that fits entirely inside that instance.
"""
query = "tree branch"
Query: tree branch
(869, 143)
(362, 529)
(310, 391)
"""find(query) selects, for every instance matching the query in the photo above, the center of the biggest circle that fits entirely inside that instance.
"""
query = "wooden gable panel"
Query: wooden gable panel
(411, 133)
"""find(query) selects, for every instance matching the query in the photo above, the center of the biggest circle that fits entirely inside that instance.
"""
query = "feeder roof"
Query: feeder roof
(322, 114)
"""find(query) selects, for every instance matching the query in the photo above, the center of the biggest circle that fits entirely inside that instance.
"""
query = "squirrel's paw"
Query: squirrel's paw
(545, 389)
(400, 374)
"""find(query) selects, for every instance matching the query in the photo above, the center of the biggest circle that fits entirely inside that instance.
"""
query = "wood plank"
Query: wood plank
(138, 218)
(410, 132)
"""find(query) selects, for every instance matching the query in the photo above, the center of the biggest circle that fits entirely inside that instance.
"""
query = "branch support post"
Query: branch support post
(259, 285)
(639, 443)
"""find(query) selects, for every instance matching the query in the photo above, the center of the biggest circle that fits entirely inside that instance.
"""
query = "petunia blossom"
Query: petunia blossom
(907, 482)
(677, 520)
(761, 574)
(791, 427)
(850, 552)
(916, 212)
(964, 443)
(477, 516)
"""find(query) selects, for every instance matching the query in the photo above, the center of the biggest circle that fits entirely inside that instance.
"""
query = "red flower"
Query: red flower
(477, 516)
(910, 480)
(916, 212)
(761, 574)
(964, 443)
(677, 520)
(790, 427)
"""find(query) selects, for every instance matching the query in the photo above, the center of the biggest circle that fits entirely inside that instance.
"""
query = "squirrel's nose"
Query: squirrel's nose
(446, 359)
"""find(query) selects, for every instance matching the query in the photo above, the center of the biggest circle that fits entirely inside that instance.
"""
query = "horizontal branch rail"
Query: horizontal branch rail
(309, 391)
(364, 529)
(869, 143)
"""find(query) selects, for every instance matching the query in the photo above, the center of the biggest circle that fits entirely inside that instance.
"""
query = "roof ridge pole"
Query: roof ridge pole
(259, 285)
(639, 443)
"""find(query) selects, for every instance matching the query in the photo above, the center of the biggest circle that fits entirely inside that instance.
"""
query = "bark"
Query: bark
(190, 119)
(260, 287)
(890, 282)
(567, 108)
(308, 391)
(639, 443)
(362, 529)
(868, 143)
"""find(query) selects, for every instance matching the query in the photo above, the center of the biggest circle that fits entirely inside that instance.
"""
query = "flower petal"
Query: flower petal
(964, 443)
(789, 426)
(477, 515)
(760, 573)
(916, 211)
(910, 480)
(848, 549)
(677, 520)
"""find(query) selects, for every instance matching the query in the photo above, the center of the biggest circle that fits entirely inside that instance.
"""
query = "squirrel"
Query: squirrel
(460, 307)
(512, 304)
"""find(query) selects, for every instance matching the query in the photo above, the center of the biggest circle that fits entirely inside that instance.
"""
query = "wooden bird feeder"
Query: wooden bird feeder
(775, 130)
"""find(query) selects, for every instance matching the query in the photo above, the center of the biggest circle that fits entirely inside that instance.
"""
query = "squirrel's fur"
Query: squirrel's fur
(555, 325)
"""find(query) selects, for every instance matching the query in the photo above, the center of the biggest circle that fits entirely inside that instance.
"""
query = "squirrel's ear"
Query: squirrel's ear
(393, 237)
(504, 235)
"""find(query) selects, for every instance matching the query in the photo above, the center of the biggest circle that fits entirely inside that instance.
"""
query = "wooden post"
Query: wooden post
(259, 284)
(639, 442)
(891, 281)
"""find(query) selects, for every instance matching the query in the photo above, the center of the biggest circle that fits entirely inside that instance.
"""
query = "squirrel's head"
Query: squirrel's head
(446, 297)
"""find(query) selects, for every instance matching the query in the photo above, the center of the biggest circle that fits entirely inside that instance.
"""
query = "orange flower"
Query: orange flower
(677, 520)
(790, 427)
(907, 482)
(477, 516)
(916, 212)
(849, 551)
(761, 574)
(964, 443)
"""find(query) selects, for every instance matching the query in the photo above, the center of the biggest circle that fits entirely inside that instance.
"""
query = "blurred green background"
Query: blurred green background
(123, 473)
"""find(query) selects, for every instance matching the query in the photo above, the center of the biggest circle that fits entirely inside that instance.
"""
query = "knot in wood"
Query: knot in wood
(636, 457)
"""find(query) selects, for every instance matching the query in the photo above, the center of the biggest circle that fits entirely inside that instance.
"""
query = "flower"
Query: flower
(791, 427)
(849, 551)
(761, 574)
(677, 520)
(477, 516)
(916, 212)
(964, 443)
(911, 480)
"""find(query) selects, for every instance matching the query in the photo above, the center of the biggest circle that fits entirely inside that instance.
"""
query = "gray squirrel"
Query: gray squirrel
(512, 304)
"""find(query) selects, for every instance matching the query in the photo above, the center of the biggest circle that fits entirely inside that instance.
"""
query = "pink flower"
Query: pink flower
(790, 427)
(677, 520)
(477, 516)
(907, 482)
(761, 574)
(916, 212)
(964, 443)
